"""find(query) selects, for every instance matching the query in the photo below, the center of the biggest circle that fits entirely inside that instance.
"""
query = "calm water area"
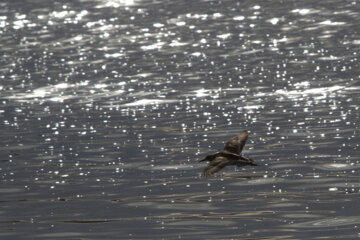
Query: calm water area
(106, 107)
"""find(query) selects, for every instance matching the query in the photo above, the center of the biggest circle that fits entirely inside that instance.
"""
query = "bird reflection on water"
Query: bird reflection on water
(230, 155)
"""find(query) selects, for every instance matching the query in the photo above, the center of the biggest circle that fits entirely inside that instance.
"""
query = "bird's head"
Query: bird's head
(208, 158)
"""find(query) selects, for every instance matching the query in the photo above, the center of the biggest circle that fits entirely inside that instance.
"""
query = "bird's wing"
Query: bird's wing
(236, 144)
(215, 166)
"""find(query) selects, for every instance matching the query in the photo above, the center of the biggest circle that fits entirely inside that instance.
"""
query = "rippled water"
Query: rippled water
(107, 106)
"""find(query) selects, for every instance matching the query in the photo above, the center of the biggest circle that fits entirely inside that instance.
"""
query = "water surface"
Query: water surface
(107, 106)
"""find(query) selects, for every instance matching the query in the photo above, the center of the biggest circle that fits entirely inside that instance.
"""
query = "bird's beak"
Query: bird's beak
(202, 160)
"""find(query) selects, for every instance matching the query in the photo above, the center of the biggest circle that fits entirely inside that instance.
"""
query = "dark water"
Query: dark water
(107, 106)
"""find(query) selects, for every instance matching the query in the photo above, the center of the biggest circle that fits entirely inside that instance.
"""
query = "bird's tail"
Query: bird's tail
(249, 161)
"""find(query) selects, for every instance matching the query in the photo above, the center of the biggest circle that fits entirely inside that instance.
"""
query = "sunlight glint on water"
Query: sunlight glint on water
(107, 106)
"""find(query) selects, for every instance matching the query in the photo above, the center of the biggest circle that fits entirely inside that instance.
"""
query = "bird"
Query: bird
(230, 155)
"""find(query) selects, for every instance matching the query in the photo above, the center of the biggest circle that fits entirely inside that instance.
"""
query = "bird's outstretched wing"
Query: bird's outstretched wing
(236, 144)
(215, 166)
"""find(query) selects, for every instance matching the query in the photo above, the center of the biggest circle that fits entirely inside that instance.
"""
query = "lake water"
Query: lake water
(106, 107)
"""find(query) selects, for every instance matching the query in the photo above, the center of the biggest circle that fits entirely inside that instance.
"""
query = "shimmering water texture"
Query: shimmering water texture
(106, 107)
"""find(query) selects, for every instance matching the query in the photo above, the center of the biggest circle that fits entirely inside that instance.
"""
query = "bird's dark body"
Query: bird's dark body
(230, 155)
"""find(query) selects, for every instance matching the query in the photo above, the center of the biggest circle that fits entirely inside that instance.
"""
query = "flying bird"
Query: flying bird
(230, 155)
